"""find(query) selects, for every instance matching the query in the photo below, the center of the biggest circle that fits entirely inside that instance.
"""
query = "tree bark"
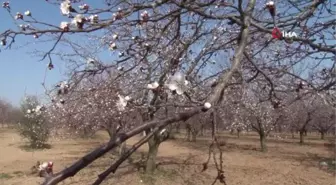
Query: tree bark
(322, 135)
(263, 141)
(202, 131)
(238, 133)
(177, 127)
(122, 148)
(301, 137)
(194, 136)
(153, 148)
(188, 134)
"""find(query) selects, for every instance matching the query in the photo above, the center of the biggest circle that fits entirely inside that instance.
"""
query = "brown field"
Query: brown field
(180, 162)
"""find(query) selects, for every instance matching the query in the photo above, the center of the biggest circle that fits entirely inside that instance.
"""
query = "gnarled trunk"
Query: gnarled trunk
(263, 141)
(301, 137)
(322, 135)
(153, 148)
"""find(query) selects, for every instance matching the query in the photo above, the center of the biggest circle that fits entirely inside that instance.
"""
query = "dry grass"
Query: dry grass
(180, 162)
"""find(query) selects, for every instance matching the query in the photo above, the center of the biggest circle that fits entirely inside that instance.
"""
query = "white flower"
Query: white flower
(177, 83)
(27, 13)
(122, 102)
(207, 105)
(90, 61)
(120, 68)
(270, 3)
(5, 4)
(94, 19)
(121, 54)
(38, 108)
(65, 26)
(3, 42)
(84, 7)
(79, 18)
(18, 16)
(78, 21)
(65, 7)
(153, 85)
(113, 46)
(145, 16)
(64, 85)
(28, 111)
(115, 36)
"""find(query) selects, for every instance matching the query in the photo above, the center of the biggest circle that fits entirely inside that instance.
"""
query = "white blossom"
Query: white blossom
(90, 61)
(65, 7)
(113, 46)
(153, 85)
(120, 68)
(18, 16)
(84, 7)
(177, 83)
(122, 102)
(207, 105)
(270, 3)
(64, 26)
(79, 18)
(94, 19)
(27, 13)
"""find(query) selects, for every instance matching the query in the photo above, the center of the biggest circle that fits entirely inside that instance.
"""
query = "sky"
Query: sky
(20, 71)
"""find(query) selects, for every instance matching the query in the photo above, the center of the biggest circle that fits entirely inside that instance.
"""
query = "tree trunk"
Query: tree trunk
(202, 130)
(263, 142)
(238, 133)
(293, 135)
(122, 148)
(188, 134)
(194, 135)
(110, 133)
(301, 137)
(305, 133)
(177, 127)
(153, 148)
(322, 135)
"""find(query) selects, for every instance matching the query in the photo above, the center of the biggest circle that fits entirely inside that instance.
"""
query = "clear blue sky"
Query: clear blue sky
(19, 70)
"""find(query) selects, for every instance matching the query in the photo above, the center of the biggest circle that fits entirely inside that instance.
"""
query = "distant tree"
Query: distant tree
(9, 114)
(33, 124)
(323, 119)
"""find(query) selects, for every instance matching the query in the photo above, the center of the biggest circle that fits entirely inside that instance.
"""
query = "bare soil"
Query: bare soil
(179, 162)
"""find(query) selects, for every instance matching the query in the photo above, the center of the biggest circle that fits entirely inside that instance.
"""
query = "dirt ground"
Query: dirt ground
(180, 162)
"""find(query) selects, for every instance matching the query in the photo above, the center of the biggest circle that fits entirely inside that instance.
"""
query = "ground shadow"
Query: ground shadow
(28, 147)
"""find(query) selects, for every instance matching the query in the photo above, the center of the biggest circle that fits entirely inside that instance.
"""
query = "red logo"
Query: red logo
(276, 33)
